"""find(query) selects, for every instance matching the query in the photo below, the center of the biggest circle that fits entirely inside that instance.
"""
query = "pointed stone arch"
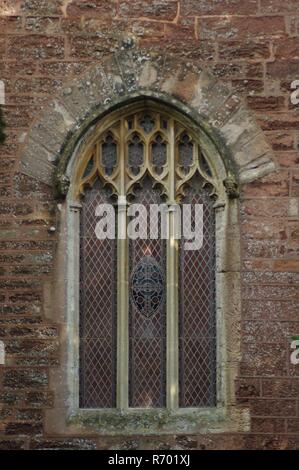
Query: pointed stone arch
(129, 75)
(55, 138)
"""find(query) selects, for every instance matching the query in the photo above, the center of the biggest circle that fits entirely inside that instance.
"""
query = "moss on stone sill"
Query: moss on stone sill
(143, 422)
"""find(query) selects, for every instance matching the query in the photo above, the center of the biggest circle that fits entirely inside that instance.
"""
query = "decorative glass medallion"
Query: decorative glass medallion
(147, 286)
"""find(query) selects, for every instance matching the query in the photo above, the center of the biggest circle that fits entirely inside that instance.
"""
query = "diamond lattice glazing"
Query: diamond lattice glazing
(197, 331)
(147, 329)
(97, 310)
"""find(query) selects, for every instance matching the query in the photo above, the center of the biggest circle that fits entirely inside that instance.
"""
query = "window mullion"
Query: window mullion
(172, 287)
(122, 286)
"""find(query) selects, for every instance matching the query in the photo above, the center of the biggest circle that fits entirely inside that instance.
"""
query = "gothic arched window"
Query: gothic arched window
(147, 305)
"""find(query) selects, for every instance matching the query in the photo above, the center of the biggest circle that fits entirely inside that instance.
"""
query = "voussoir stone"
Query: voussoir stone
(128, 73)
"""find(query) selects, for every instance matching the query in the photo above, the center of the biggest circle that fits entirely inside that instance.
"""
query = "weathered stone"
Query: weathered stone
(268, 425)
(276, 184)
(41, 7)
(90, 8)
(23, 429)
(238, 27)
(37, 162)
(217, 7)
(25, 378)
(62, 444)
(40, 399)
(30, 348)
(12, 444)
(159, 9)
(270, 360)
(235, 50)
(35, 47)
(247, 388)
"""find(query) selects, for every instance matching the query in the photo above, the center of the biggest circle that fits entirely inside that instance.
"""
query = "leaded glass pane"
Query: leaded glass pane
(185, 152)
(164, 123)
(147, 315)
(197, 325)
(88, 168)
(145, 140)
(130, 122)
(147, 123)
(109, 154)
(205, 166)
(135, 153)
(159, 153)
(97, 310)
(147, 286)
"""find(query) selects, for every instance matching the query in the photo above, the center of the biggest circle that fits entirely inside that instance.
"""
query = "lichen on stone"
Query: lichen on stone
(231, 186)
(61, 184)
(141, 421)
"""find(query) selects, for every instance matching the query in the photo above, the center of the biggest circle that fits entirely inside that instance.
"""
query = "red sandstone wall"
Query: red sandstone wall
(252, 45)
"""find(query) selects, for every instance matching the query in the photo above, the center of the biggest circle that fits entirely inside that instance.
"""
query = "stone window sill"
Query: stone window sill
(144, 421)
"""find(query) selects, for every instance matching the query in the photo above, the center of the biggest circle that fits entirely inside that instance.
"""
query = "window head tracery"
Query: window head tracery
(146, 142)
